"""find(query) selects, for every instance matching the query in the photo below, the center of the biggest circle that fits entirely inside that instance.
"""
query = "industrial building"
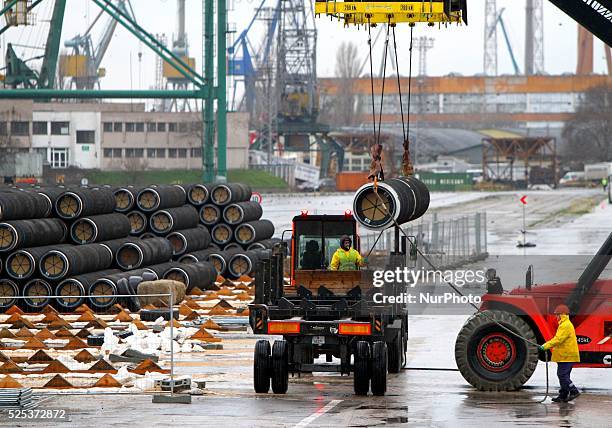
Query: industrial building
(113, 136)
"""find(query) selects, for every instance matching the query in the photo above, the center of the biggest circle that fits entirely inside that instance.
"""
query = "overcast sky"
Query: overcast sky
(456, 50)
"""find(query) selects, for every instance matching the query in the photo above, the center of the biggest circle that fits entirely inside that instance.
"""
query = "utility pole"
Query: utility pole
(490, 39)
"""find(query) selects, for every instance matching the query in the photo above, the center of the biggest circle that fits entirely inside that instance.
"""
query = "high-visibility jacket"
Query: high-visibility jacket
(345, 260)
(564, 345)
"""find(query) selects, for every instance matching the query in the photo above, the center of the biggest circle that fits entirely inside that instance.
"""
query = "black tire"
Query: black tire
(261, 367)
(379, 368)
(153, 314)
(280, 367)
(396, 353)
(361, 380)
(511, 361)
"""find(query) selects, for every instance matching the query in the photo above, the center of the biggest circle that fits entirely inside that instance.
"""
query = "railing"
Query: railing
(447, 242)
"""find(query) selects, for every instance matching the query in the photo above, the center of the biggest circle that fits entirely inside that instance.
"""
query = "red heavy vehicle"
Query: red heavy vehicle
(493, 359)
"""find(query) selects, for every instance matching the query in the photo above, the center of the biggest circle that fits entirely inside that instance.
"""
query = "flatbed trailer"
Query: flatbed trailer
(323, 312)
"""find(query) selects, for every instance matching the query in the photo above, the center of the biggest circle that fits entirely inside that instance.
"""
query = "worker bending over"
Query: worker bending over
(565, 353)
(346, 257)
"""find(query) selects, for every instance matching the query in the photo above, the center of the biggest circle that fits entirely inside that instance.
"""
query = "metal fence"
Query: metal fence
(447, 242)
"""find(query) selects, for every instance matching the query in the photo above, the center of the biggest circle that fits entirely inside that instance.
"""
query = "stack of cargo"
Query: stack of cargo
(81, 243)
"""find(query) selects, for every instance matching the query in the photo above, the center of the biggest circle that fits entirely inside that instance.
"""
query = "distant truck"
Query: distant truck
(597, 171)
(572, 178)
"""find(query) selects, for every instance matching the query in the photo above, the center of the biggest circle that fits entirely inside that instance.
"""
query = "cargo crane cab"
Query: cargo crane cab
(315, 239)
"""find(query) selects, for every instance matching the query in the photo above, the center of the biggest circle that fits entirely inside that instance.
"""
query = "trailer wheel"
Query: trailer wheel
(379, 368)
(261, 364)
(362, 366)
(280, 367)
(396, 353)
(491, 358)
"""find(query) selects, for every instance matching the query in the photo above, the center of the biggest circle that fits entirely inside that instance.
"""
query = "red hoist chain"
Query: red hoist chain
(376, 149)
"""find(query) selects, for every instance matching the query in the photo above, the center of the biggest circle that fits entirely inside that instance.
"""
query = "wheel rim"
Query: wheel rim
(496, 352)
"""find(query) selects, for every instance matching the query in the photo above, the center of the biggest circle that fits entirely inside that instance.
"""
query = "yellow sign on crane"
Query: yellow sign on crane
(393, 12)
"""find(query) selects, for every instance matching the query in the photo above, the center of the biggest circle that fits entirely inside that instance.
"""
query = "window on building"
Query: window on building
(182, 153)
(107, 126)
(43, 152)
(60, 128)
(130, 127)
(151, 127)
(156, 153)
(196, 127)
(183, 127)
(86, 137)
(172, 153)
(117, 153)
(40, 128)
(139, 127)
(172, 127)
(134, 153)
(20, 128)
(3, 128)
(196, 152)
(161, 127)
(108, 153)
(59, 158)
(118, 126)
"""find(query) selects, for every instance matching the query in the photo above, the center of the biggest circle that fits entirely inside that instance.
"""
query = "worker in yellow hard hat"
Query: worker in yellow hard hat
(346, 257)
(565, 353)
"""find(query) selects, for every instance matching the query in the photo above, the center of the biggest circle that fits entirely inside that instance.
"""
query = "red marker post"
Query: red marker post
(524, 231)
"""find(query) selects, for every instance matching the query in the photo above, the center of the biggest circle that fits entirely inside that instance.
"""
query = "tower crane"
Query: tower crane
(82, 65)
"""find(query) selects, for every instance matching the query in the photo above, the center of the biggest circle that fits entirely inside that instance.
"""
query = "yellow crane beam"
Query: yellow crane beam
(392, 12)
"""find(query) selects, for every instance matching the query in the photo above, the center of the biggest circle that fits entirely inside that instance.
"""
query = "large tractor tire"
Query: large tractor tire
(378, 383)
(396, 353)
(280, 367)
(491, 358)
(261, 367)
(361, 378)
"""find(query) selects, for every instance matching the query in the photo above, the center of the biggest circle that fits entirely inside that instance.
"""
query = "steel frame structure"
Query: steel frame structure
(500, 154)
(204, 83)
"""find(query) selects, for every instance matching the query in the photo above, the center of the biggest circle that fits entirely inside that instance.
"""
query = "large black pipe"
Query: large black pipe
(98, 228)
(198, 194)
(168, 220)
(189, 240)
(241, 212)
(134, 255)
(221, 234)
(249, 232)
(74, 289)
(23, 263)
(156, 198)
(107, 286)
(265, 244)
(82, 202)
(75, 260)
(220, 259)
(397, 200)
(223, 194)
(17, 234)
(210, 214)
(138, 222)
(20, 205)
(201, 275)
(32, 289)
(125, 198)
(198, 256)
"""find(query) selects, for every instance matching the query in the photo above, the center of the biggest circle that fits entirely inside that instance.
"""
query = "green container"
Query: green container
(447, 181)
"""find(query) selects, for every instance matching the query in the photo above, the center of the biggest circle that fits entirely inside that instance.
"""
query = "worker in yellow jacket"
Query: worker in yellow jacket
(565, 353)
(346, 257)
